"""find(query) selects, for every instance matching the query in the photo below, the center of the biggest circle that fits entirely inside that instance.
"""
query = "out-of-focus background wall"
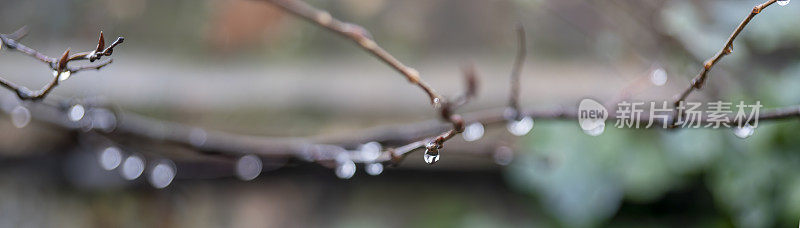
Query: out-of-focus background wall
(246, 67)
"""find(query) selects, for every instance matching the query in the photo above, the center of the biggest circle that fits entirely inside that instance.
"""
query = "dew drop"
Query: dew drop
(783, 2)
(248, 167)
(133, 167)
(473, 131)
(520, 127)
(430, 158)
(162, 174)
(76, 113)
(371, 151)
(63, 76)
(431, 155)
(374, 169)
(437, 103)
(20, 116)
(346, 169)
(658, 77)
(197, 137)
(503, 155)
(744, 132)
(729, 49)
(598, 130)
(110, 158)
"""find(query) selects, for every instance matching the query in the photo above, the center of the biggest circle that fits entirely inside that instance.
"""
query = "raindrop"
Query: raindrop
(110, 158)
(744, 132)
(63, 76)
(783, 2)
(20, 116)
(248, 167)
(598, 130)
(658, 77)
(374, 169)
(431, 153)
(162, 174)
(371, 151)
(729, 49)
(503, 155)
(76, 113)
(437, 103)
(197, 137)
(473, 131)
(346, 169)
(103, 119)
(520, 127)
(133, 167)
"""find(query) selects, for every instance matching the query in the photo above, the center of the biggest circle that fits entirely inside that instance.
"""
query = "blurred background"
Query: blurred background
(246, 67)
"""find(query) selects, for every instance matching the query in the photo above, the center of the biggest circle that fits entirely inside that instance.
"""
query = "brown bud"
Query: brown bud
(101, 43)
(62, 63)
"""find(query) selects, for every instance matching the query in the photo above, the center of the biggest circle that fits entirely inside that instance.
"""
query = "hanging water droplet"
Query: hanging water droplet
(20, 116)
(729, 49)
(248, 167)
(520, 127)
(133, 167)
(370, 151)
(658, 77)
(63, 76)
(197, 137)
(76, 113)
(437, 103)
(346, 169)
(783, 2)
(374, 169)
(162, 174)
(473, 131)
(744, 132)
(503, 155)
(110, 158)
(431, 158)
(431, 153)
(597, 130)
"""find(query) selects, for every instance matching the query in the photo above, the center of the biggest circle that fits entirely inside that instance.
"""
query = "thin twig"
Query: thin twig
(699, 80)
(519, 62)
(59, 65)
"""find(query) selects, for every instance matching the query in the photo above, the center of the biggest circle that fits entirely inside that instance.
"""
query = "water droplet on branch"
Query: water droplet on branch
(248, 167)
(346, 169)
(503, 155)
(110, 158)
(374, 169)
(76, 113)
(473, 131)
(63, 76)
(162, 174)
(596, 131)
(658, 77)
(20, 116)
(744, 132)
(133, 167)
(431, 155)
(520, 127)
(197, 137)
(371, 151)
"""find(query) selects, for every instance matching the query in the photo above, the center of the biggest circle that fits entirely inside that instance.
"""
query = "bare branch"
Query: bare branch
(59, 66)
(519, 62)
(699, 80)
